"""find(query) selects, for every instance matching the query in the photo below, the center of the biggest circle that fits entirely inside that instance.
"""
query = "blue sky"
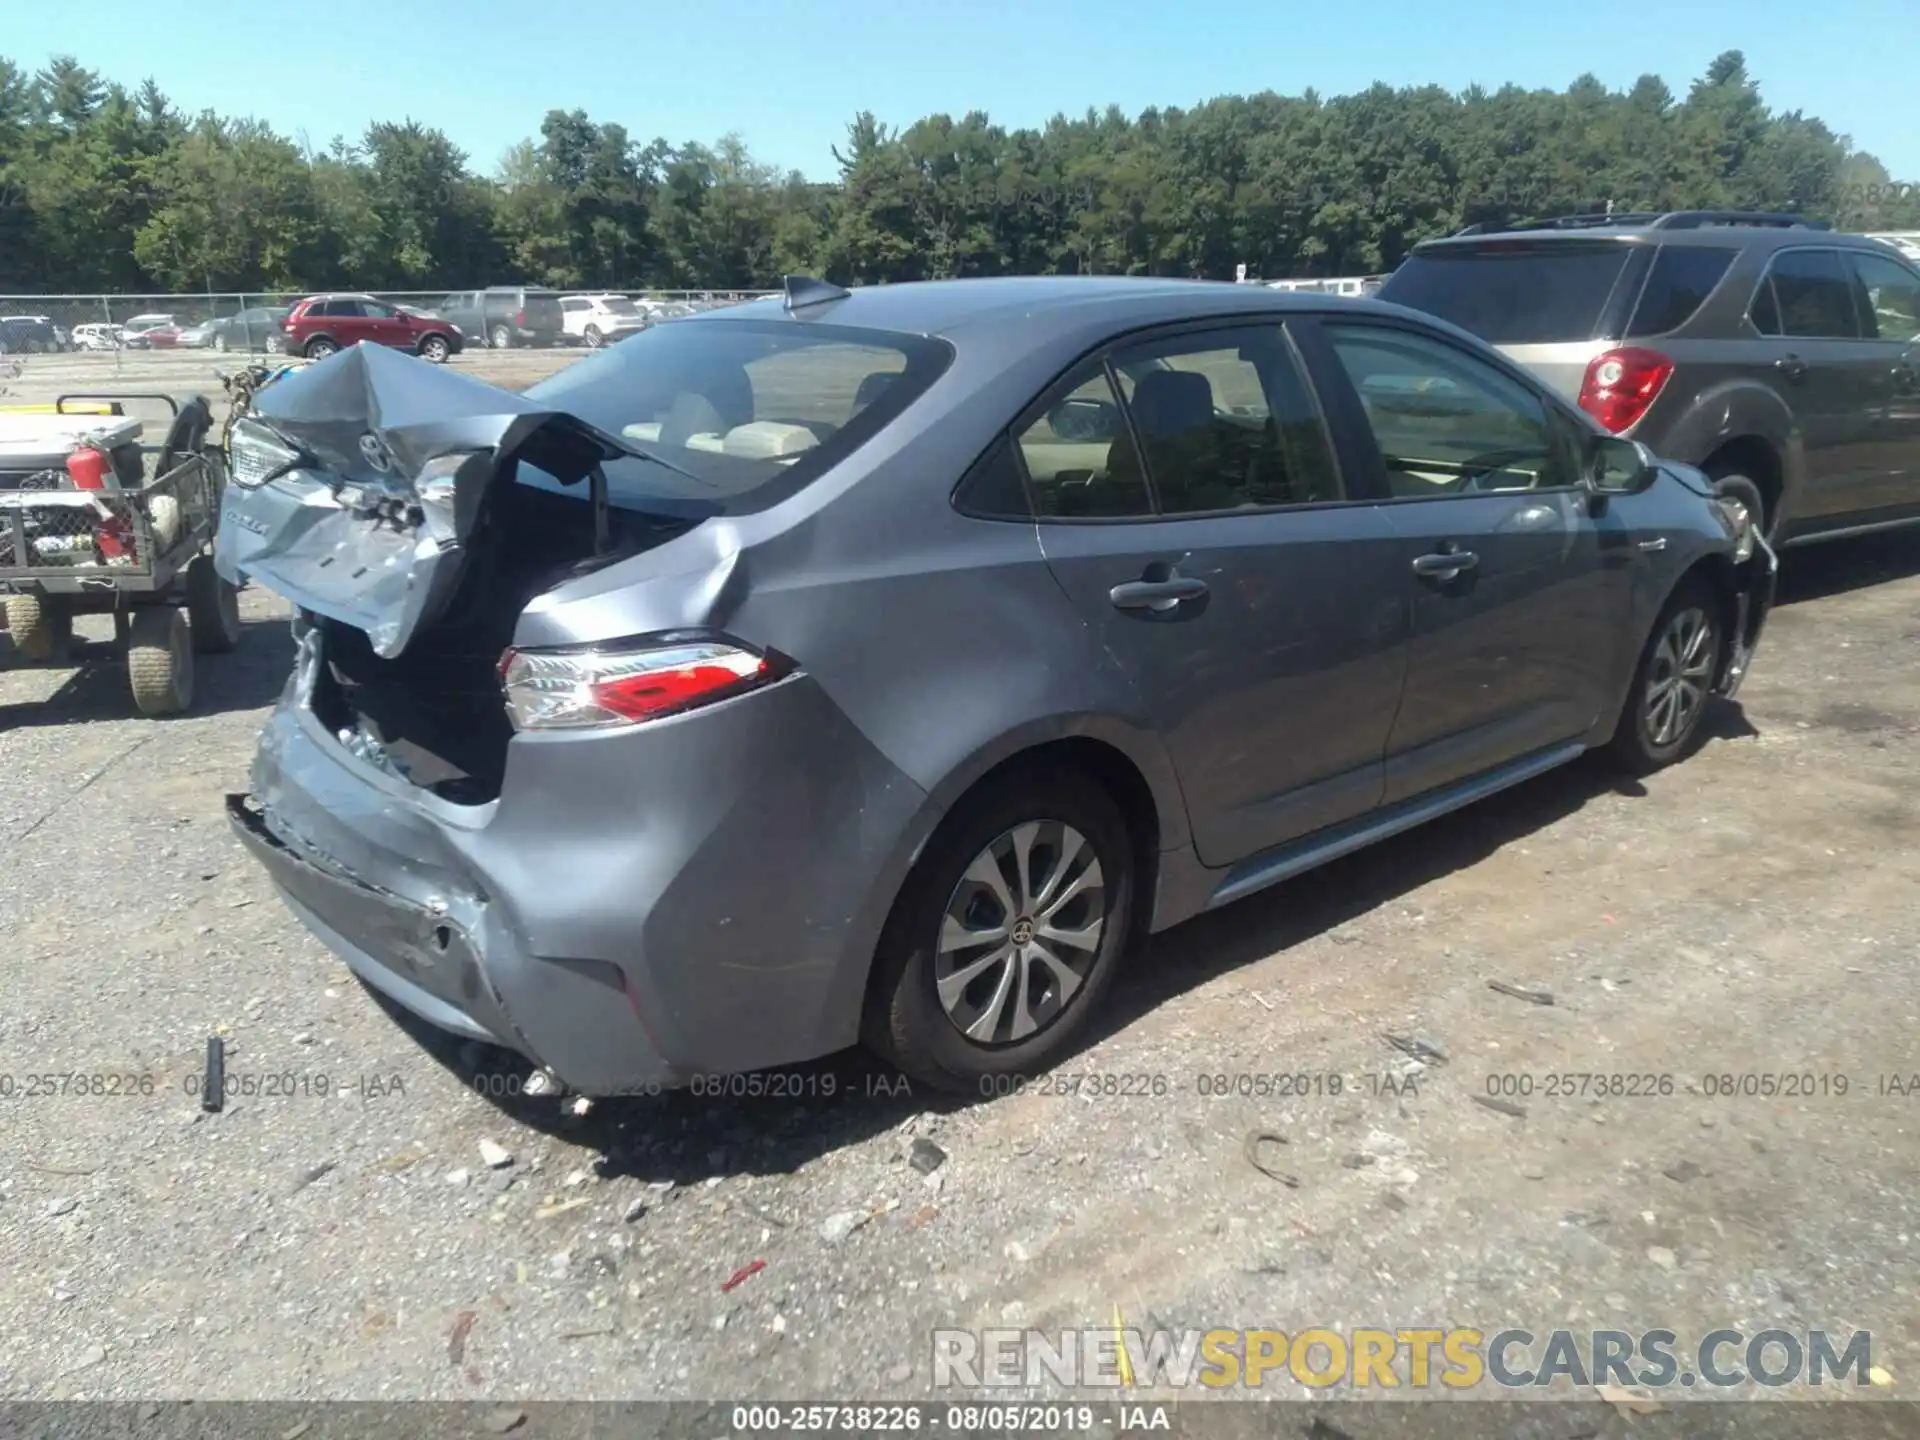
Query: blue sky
(788, 76)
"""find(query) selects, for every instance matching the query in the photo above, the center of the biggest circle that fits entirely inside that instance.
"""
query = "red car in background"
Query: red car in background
(321, 324)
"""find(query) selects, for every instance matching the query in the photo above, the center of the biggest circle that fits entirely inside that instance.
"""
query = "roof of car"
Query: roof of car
(1720, 236)
(1028, 303)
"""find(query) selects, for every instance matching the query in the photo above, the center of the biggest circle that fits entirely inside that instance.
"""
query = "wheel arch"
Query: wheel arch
(1131, 767)
(1760, 461)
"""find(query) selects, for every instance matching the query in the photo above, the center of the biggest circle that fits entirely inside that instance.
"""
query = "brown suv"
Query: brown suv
(1777, 356)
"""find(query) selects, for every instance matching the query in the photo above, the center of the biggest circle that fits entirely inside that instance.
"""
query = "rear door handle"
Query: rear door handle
(1791, 366)
(1446, 564)
(1157, 594)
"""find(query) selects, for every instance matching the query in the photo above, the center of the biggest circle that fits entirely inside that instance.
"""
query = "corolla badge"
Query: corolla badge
(374, 451)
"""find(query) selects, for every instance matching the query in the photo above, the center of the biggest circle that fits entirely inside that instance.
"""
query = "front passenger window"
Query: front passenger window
(1446, 422)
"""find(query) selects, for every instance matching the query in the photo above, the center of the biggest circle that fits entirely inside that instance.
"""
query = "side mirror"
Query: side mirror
(1621, 467)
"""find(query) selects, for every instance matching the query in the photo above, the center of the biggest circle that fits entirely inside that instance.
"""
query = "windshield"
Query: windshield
(741, 413)
(1538, 294)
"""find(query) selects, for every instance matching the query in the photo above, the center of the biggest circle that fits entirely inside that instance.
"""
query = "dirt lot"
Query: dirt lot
(1750, 912)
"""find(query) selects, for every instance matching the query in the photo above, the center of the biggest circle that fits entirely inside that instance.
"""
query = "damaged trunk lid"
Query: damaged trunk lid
(357, 486)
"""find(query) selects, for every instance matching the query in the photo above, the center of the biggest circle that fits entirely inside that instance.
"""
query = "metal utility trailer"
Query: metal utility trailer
(139, 548)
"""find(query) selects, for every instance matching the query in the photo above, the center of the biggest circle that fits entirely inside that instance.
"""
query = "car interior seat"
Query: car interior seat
(1174, 412)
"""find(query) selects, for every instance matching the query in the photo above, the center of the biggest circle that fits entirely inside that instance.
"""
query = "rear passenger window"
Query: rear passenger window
(1225, 422)
(993, 488)
(1813, 296)
(1890, 295)
(1677, 286)
(1079, 457)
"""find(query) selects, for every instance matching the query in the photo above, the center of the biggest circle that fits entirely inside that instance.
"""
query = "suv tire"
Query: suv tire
(500, 337)
(1658, 726)
(1732, 485)
(1053, 829)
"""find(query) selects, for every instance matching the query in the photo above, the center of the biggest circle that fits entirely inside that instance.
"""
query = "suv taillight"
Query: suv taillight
(1621, 384)
(520, 319)
(600, 688)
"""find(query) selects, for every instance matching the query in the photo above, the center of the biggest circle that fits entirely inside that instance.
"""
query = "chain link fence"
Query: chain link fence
(112, 326)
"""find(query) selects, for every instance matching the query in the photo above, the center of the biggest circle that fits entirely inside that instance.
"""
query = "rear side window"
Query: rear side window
(740, 409)
(1682, 278)
(1514, 294)
(1890, 294)
(1807, 294)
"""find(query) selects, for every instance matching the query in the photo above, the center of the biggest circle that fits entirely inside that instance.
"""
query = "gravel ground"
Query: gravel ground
(1749, 911)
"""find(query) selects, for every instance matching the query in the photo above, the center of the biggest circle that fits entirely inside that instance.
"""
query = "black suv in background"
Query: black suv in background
(1779, 357)
(502, 316)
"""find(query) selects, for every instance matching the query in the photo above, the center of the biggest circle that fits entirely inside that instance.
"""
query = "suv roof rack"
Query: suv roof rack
(1655, 220)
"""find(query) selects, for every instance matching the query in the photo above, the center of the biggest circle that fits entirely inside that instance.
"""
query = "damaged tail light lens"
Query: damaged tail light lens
(600, 688)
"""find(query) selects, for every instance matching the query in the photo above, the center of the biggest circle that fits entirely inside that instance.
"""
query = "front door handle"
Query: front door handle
(1791, 366)
(1161, 595)
(1446, 564)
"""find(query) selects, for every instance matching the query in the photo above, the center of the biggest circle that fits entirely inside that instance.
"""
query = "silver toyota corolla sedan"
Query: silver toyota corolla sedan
(881, 665)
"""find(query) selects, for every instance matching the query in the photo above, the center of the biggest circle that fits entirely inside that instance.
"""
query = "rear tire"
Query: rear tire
(213, 607)
(160, 660)
(1046, 835)
(500, 337)
(1673, 683)
(1731, 485)
(220, 342)
(41, 632)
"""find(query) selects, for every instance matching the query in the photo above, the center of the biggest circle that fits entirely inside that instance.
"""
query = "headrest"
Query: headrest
(1167, 402)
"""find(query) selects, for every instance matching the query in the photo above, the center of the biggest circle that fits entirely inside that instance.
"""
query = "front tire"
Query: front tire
(320, 349)
(220, 343)
(1673, 684)
(594, 338)
(501, 337)
(1006, 934)
(434, 349)
(213, 608)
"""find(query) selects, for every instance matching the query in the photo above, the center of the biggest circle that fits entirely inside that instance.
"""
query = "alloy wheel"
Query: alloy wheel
(1020, 933)
(1679, 677)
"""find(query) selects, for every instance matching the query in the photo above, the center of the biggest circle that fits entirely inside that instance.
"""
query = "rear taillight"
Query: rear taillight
(520, 319)
(592, 689)
(1621, 384)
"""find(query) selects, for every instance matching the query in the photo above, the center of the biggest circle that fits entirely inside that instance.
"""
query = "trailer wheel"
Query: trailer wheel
(213, 606)
(160, 660)
(41, 632)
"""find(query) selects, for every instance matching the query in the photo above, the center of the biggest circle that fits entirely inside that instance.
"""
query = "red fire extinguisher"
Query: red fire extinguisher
(87, 468)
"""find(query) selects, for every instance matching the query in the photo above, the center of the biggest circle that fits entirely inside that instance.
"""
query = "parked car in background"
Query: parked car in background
(28, 335)
(150, 332)
(1906, 242)
(321, 324)
(596, 320)
(97, 335)
(762, 682)
(504, 316)
(1781, 358)
(197, 336)
(257, 329)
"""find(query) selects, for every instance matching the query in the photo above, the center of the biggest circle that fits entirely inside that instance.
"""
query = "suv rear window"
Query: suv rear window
(1513, 294)
(740, 413)
(1678, 285)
